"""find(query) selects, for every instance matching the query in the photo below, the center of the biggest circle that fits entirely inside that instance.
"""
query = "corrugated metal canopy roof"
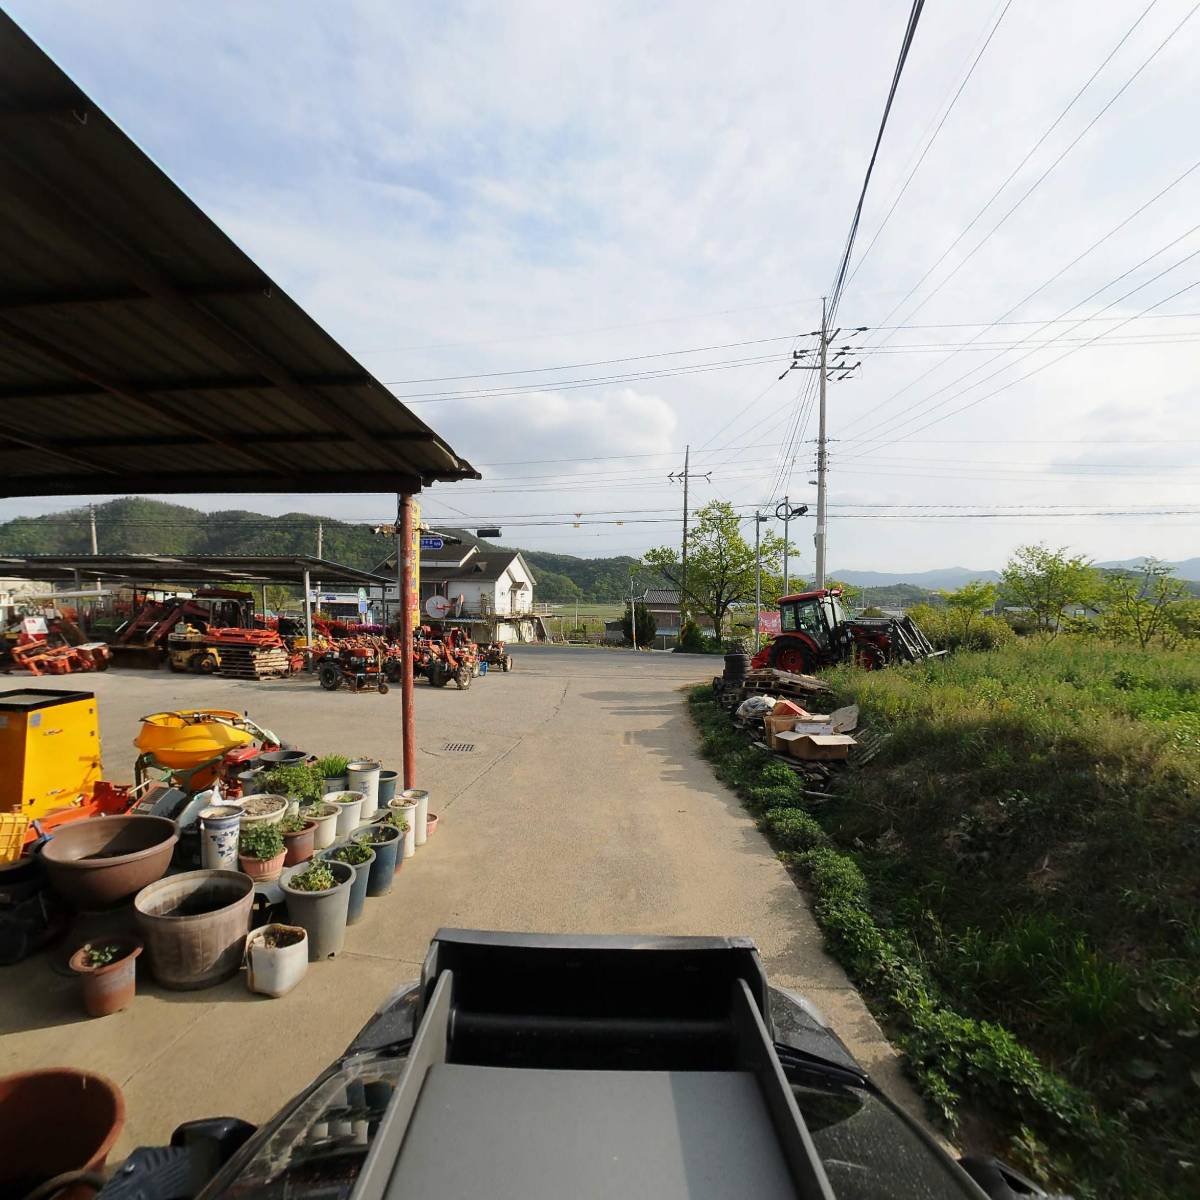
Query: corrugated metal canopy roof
(185, 568)
(142, 351)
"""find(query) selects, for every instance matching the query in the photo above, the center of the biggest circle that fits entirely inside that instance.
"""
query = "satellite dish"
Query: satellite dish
(438, 606)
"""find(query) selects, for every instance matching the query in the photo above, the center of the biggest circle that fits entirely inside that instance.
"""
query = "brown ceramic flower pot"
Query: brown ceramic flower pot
(262, 870)
(110, 987)
(299, 846)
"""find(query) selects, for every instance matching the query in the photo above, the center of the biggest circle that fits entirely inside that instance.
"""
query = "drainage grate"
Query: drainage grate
(459, 747)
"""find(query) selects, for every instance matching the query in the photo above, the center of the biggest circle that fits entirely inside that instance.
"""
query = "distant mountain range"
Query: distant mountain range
(947, 578)
(137, 525)
(1185, 568)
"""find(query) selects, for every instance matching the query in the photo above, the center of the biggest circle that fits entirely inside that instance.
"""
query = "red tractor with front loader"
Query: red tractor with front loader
(815, 632)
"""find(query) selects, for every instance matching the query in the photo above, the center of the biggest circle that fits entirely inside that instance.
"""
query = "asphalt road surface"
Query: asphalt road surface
(571, 797)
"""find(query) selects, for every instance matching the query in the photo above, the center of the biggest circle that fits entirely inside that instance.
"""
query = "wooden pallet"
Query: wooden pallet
(244, 663)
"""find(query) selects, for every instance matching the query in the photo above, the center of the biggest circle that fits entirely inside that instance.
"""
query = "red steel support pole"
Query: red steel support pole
(407, 716)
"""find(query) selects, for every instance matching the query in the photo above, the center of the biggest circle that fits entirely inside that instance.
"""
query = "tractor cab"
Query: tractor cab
(817, 615)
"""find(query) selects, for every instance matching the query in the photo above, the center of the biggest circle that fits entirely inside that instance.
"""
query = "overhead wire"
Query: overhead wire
(995, 25)
(1033, 150)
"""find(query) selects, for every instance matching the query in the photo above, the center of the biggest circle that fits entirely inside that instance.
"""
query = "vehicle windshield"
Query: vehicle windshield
(804, 616)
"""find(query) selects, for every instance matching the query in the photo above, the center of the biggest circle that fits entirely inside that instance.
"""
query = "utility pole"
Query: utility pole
(321, 555)
(841, 369)
(819, 536)
(632, 613)
(92, 520)
(685, 475)
(683, 591)
(758, 520)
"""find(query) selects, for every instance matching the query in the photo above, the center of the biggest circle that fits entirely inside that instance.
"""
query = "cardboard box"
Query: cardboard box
(775, 724)
(817, 725)
(821, 747)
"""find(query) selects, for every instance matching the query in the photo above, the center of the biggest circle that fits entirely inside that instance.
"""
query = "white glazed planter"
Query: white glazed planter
(349, 815)
(421, 798)
(274, 971)
(408, 812)
(220, 829)
(363, 776)
(326, 828)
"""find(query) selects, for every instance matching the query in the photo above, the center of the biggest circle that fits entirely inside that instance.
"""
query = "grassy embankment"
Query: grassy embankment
(1014, 882)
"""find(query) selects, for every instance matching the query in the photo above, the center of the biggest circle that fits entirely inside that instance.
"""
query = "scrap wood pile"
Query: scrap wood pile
(788, 716)
(250, 653)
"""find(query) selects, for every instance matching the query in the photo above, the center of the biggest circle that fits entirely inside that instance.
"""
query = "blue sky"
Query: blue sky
(458, 190)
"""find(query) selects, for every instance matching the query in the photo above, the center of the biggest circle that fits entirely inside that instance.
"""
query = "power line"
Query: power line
(1029, 154)
(835, 295)
(929, 144)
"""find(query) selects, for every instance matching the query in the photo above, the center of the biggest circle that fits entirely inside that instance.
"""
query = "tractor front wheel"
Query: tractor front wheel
(438, 675)
(508, 662)
(463, 678)
(329, 677)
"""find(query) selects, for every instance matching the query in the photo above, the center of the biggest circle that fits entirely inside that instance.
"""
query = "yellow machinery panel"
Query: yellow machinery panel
(49, 750)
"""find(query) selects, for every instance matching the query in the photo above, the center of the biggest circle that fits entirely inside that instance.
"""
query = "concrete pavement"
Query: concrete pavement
(582, 805)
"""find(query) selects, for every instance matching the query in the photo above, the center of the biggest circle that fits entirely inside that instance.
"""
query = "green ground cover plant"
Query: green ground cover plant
(1013, 882)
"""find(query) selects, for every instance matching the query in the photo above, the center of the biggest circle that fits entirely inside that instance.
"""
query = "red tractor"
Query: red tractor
(815, 632)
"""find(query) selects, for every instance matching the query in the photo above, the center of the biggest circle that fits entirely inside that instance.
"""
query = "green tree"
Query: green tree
(720, 563)
(969, 602)
(1138, 606)
(1045, 581)
(647, 626)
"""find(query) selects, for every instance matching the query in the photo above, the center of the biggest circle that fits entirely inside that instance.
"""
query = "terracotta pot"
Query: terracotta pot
(108, 988)
(299, 846)
(38, 1142)
(431, 825)
(262, 870)
(97, 861)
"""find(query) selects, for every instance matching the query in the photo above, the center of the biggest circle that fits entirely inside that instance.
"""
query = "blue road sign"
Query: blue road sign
(432, 543)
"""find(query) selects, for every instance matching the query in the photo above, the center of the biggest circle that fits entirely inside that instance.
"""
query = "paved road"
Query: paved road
(581, 805)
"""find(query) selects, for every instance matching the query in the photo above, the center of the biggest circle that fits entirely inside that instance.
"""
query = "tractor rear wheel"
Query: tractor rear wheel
(330, 677)
(793, 657)
(463, 678)
(508, 662)
(206, 664)
(438, 675)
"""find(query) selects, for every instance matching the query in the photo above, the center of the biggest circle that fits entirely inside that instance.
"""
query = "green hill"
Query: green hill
(134, 525)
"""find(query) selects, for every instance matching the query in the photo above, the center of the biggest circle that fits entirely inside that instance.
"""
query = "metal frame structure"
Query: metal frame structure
(141, 351)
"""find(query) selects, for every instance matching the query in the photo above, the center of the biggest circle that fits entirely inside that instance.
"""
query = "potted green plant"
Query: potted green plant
(261, 851)
(318, 899)
(349, 810)
(406, 806)
(332, 770)
(386, 841)
(325, 816)
(107, 972)
(299, 838)
(395, 820)
(297, 781)
(276, 958)
(359, 856)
